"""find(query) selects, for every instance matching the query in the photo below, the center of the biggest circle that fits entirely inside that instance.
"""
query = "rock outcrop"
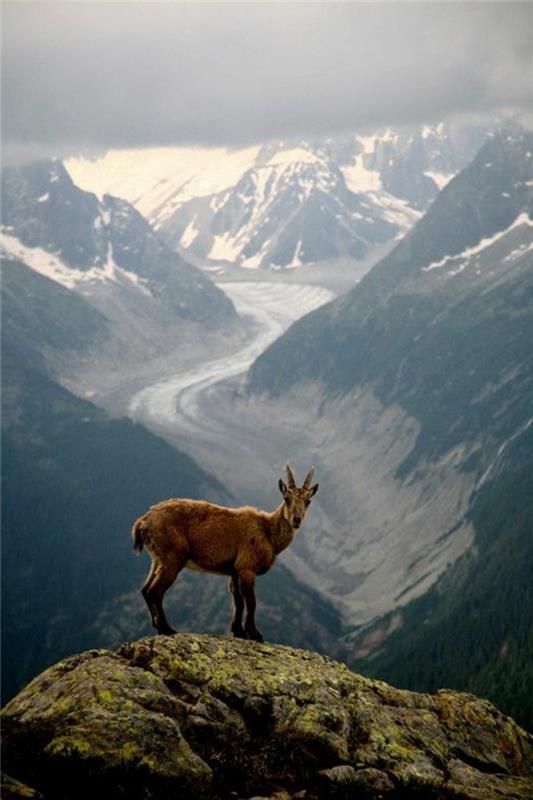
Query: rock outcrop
(212, 717)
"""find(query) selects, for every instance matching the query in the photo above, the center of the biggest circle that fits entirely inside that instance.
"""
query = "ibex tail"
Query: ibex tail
(136, 535)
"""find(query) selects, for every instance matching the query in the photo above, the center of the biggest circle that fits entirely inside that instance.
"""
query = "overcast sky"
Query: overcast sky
(102, 75)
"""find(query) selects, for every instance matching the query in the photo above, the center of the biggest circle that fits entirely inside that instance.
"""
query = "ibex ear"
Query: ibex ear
(313, 490)
(282, 487)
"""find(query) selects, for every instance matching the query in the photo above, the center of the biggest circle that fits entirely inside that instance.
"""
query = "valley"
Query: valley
(236, 239)
(356, 443)
(172, 406)
(402, 375)
(349, 386)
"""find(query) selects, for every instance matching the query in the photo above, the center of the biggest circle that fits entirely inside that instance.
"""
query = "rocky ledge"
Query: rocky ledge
(213, 717)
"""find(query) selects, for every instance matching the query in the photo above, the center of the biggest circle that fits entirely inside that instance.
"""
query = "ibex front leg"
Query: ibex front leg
(246, 585)
(238, 600)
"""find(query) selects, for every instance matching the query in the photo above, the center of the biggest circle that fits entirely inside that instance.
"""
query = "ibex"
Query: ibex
(239, 542)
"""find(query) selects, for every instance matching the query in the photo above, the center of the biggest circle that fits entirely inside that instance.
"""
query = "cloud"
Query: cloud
(95, 76)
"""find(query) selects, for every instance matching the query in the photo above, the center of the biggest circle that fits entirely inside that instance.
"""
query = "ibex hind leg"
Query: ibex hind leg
(145, 591)
(238, 600)
(164, 575)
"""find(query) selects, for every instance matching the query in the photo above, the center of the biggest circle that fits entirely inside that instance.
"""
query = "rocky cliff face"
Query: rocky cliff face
(211, 717)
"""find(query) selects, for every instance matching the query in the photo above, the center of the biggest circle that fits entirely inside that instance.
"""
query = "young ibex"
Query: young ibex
(239, 542)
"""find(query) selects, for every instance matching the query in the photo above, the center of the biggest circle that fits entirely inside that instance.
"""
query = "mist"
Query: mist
(80, 77)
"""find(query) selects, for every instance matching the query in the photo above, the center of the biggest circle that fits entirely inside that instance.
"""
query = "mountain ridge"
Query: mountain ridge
(91, 237)
(284, 204)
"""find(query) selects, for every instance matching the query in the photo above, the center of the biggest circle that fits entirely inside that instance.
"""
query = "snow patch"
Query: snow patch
(395, 210)
(44, 198)
(519, 252)
(522, 219)
(368, 142)
(224, 248)
(296, 262)
(260, 178)
(441, 179)
(52, 267)
(296, 155)
(253, 262)
(357, 177)
(190, 233)
(42, 261)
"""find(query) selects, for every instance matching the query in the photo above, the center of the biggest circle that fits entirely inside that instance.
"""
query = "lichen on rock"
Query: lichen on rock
(212, 717)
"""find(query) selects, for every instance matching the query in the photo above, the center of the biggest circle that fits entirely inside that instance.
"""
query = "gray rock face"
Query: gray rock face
(209, 717)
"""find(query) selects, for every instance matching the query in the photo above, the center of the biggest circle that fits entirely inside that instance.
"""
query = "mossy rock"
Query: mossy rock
(193, 716)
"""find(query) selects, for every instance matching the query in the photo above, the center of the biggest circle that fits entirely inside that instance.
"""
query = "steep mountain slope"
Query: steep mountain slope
(105, 251)
(473, 629)
(285, 204)
(426, 367)
(43, 323)
(73, 480)
(439, 305)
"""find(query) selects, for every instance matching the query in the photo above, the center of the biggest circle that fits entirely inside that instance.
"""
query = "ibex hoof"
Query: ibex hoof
(256, 636)
(239, 633)
(166, 631)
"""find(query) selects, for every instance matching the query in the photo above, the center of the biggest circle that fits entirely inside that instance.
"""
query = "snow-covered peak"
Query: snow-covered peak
(285, 203)
(149, 178)
(295, 155)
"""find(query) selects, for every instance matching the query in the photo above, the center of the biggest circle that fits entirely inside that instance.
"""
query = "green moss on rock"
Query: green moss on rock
(207, 716)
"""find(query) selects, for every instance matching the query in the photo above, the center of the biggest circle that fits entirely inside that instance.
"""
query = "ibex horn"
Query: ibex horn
(308, 478)
(290, 478)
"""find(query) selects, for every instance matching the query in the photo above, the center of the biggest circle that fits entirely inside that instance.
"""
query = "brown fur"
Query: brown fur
(238, 542)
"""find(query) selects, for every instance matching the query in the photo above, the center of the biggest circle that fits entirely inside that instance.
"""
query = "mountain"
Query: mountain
(467, 264)
(285, 204)
(426, 368)
(73, 481)
(209, 717)
(473, 629)
(104, 251)
(44, 325)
